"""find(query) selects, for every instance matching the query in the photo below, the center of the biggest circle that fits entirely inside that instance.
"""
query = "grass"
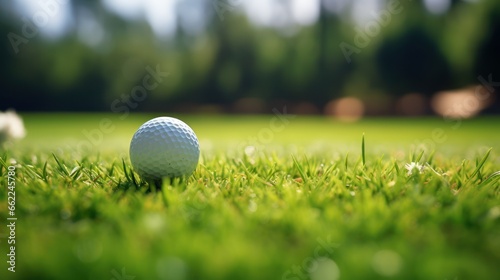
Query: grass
(313, 200)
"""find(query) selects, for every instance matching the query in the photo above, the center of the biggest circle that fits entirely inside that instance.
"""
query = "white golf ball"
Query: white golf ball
(164, 147)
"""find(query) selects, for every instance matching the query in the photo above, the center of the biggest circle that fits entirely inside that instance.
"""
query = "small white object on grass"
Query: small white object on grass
(414, 166)
(11, 127)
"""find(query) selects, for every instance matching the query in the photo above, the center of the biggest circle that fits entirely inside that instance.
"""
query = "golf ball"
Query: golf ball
(164, 147)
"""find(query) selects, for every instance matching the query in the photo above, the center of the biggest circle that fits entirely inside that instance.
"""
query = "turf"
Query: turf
(301, 198)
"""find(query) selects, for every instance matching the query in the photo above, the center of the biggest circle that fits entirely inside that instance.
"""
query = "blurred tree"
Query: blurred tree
(487, 56)
(103, 56)
(412, 62)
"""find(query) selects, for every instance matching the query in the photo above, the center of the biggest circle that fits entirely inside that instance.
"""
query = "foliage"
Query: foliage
(230, 59)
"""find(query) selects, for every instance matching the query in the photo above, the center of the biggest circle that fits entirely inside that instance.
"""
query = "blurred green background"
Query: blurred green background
(82, 133)
(236, 56)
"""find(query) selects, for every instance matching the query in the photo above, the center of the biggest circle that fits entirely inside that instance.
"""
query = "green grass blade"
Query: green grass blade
(125, 170)
(346, 160)
(74, 174)
(431, 157)
(136, 184)
(396, 167)
(44, 171)
(491, 178)
(432, 169)
(301, 171)
(480, 165)
(419, 157)
(111, 170)
(363, 157)
(3, 165)
(61, 166)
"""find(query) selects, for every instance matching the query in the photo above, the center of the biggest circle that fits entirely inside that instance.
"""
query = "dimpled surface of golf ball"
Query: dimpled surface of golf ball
(164, 147)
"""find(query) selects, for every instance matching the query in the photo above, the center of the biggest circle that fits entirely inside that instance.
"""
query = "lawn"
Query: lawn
(274, 197)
